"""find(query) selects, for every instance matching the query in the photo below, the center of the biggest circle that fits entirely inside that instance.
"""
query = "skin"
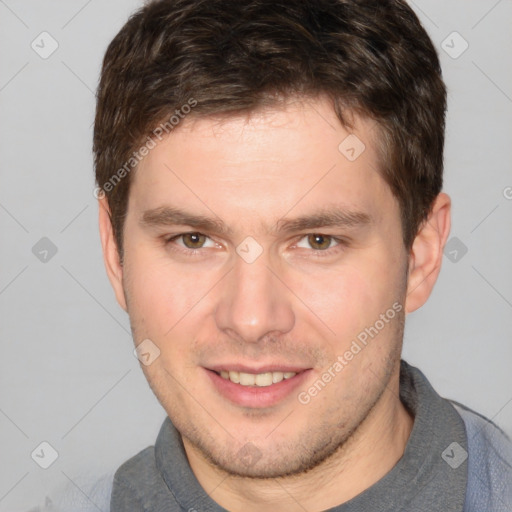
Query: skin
(298, 303)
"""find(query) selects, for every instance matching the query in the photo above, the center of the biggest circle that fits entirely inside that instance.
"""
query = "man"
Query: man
(269, 176)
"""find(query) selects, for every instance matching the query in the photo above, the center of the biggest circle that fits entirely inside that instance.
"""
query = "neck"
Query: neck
(369, 454)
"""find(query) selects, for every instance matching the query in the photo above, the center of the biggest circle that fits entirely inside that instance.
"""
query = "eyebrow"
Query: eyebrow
(169, 216)
(325, 218)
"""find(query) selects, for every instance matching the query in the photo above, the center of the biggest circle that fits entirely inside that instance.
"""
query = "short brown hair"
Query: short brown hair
(370, 57)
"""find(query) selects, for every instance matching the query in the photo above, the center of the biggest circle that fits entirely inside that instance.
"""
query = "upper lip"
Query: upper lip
(275, 367)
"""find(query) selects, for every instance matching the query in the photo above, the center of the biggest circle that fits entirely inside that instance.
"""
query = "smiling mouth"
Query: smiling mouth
(256, 380)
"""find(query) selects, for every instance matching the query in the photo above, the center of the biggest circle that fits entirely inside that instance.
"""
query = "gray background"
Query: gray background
(67, 372)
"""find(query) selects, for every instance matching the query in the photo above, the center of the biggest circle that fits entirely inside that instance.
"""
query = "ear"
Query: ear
(110, 252)
(426, 254)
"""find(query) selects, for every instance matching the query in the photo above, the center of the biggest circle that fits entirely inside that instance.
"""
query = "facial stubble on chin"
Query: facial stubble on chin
(321, 452)
(320, 445)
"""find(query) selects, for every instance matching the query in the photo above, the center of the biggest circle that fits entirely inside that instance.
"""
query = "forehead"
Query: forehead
(263, 164)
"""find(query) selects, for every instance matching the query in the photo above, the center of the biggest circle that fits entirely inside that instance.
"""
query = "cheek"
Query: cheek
(354, 294)
(161, 298)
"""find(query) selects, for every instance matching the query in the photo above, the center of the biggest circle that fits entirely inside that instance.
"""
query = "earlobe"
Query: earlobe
(426, 254)
(111, 258)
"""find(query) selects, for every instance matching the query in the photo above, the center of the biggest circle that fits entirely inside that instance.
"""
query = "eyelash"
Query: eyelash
(319, 253)
(184, 250)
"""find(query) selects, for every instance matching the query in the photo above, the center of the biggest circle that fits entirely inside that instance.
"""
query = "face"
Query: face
(258, 259)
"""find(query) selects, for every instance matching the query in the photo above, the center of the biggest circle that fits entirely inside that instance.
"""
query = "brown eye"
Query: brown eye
(193, 240)
(319, 242)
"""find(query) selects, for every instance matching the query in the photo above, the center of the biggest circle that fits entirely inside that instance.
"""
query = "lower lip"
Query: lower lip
(255, 396)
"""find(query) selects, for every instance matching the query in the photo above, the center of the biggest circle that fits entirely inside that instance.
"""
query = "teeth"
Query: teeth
(260, 380)
(263, 379)
(277, 377)
(247, 379)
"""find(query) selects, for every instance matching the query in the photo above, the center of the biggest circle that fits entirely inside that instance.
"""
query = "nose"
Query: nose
(254, 303)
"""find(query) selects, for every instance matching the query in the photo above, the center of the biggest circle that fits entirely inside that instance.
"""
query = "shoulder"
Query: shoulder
(85, 493)
(132, 477)
(489, 463)
(138, 486)
(89, 492)
(141, 466)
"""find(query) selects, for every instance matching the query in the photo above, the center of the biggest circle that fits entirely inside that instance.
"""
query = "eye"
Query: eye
(192, 241)
(317, 241)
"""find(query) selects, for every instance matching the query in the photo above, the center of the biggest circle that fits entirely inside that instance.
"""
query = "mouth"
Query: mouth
(257, 387)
